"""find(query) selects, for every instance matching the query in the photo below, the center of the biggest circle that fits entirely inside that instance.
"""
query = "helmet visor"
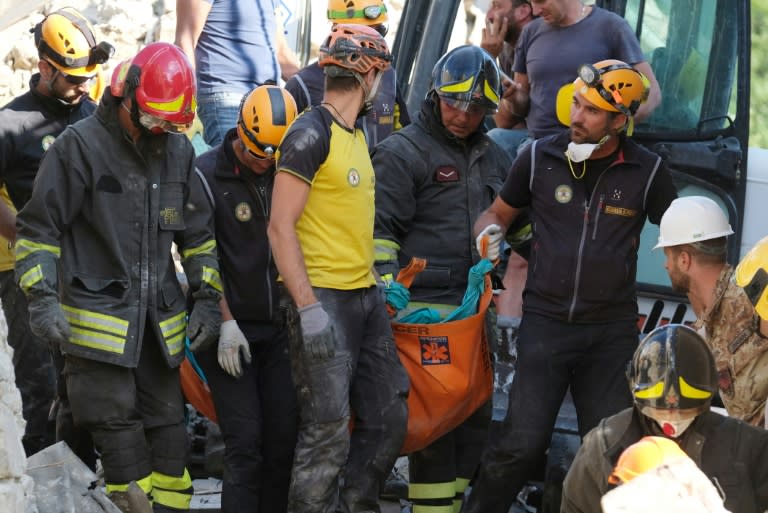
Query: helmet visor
(474, 106)
(158, 126)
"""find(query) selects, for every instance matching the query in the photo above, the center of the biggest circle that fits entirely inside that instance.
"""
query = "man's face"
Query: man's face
(552, 11)
(590, 124)
(501, 9)
(67, 88)
(680, 281)
(460, 123)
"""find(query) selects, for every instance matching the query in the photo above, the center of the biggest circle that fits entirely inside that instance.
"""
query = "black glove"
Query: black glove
(203, 325)
(47, 321)
(317, 332)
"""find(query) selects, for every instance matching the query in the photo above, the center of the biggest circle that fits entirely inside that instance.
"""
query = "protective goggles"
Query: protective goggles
(470, 107)
(76, 80)
(593, 78)
(372, 12)
(158, 126)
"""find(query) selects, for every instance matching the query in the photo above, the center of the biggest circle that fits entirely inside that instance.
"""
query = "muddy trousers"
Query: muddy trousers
(136, 418)
(338, 467)
(553, 355)
(258, 417)
(35, 376)
(441, 472)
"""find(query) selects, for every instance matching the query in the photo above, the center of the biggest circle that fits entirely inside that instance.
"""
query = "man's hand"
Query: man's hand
(495, 236)
(317, 332)
(47, 321)
(203, 324)
(231, 343)
(492, 40)
(511, 104)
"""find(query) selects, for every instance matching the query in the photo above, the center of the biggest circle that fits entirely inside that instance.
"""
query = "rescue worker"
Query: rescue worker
(590, 192)
(70, 60)
(693, 234)
(249, 373)
(433, 179)
(388, 111)
(342, 350)
(673, 379)
(93, 256)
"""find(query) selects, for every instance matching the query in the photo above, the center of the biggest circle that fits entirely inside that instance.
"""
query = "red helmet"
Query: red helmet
(161, 81)
(355, 48)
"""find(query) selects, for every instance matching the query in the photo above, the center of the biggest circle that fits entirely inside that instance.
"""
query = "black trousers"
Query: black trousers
(552, 355)
(258, 417)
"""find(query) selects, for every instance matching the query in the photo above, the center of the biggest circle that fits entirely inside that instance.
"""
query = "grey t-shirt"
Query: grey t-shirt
(551, 56)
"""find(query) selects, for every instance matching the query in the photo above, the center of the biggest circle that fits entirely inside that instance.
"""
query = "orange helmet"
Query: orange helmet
(161, 82)
(265, 114)
(350, 49)
(612, 85)
(646, 454)
(65, 40)
(360, 12)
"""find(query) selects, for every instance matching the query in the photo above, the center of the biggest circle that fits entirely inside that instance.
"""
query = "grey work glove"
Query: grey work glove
(507, 327)
(231, 343)
(203, 324)
(47, 321)
(317, 332)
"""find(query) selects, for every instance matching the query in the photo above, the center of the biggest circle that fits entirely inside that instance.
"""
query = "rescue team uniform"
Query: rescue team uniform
(430, 189)
(579, 326)
(365, 375)
(731, 453)
(28, 126)
(732, 332)
(389, 112)
(257, 412)
(97, 231)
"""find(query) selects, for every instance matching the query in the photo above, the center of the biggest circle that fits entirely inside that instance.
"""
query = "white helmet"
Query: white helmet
(692, 219)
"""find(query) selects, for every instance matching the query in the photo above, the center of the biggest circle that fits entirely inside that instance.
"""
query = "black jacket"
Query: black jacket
(242, 204)
(733, 454)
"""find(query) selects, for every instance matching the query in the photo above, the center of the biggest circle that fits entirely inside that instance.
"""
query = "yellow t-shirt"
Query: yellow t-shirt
(7, 257)
(335, 229)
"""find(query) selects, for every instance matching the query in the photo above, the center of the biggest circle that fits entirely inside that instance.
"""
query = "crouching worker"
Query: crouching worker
(249, 373)
(93, 252)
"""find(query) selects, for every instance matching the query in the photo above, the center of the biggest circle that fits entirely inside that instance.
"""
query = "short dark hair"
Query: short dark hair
(341, 84)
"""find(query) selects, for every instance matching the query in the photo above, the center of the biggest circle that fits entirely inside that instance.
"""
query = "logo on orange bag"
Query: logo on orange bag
(434, 351)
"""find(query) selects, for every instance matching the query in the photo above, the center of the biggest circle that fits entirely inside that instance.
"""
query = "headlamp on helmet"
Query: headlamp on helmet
(612, 85)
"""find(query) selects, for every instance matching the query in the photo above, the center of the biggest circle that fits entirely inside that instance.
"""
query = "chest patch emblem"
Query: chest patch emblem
(47, 141)
(616, 196)
(446, 174)
(170, 216)
(243, 212)
(563, 194)
(353, 177)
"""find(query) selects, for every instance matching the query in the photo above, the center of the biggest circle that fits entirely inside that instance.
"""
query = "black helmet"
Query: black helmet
(467, 75)
(673, 369)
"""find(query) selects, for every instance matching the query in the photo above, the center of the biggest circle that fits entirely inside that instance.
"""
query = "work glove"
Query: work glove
(47, 321)
(507, 328)
(203, 324)
(231, 342)
(495, 236)
(317, 332)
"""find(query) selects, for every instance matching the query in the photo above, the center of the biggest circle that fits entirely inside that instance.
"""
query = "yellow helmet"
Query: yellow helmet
(359, 12)
(265, 114)
(644, 455)
(752, 276)
(65, 40)
(612, 85)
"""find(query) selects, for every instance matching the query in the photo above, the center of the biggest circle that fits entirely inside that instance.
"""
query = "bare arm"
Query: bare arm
(514, 104)
(289, 63)
(190, 19)
(654, 95)
(510, 302)
(289, 197)
(7, 222)
(499, 213)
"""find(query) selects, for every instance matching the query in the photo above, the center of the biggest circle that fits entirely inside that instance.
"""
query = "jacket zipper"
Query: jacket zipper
(600, 205)
(261, 196)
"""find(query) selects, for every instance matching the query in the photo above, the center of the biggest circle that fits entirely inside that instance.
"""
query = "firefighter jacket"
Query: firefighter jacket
(733, 454)
(28, 126)
(98, 231)
(740, 351)
(242, 203)
(583, 261)
(430, 189)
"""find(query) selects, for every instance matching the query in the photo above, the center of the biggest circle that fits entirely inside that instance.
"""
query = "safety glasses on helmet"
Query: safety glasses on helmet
(471, 107)
(158, 126)
(592, 77)
(76, 80)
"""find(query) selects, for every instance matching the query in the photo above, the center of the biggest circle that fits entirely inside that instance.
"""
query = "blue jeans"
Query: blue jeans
(218, 112)
(511, 140)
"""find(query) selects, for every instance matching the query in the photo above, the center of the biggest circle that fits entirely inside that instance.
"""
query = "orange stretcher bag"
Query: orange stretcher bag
(449, 366)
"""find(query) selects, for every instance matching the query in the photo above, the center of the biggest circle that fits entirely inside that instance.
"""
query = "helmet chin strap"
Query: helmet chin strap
(368, 94)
